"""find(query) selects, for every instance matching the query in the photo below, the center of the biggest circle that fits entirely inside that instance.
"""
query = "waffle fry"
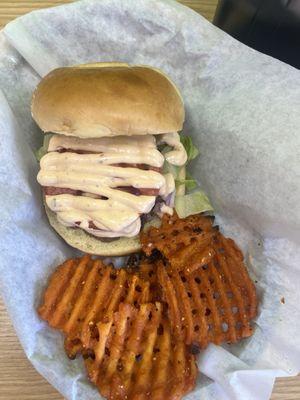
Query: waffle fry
(185, 243)
(139, 328)
(216, 302)
(82, 292)
(136, 357)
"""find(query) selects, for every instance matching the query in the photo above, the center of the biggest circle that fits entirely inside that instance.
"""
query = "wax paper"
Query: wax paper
(242, 110)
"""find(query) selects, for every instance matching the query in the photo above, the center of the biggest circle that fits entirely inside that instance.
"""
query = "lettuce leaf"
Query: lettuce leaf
(190, 184)
(190, 148)
(169, 168)
(44, 149)
(193, 203)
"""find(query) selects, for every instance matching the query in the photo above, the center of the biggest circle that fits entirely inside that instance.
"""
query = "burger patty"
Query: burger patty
(139, 192)
(145, 167)
(54, 191)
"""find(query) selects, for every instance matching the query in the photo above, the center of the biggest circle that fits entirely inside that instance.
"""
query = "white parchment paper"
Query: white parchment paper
(242, 109)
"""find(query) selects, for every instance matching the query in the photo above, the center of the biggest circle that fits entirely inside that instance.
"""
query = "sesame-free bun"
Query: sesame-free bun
(81, 240)
(107, 99)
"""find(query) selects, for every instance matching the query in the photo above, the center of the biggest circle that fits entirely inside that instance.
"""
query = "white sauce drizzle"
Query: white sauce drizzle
(178, 155)
(108, 215)
(94, 175)
(113, 150)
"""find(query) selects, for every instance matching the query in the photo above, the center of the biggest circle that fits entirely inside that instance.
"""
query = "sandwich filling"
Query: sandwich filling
(105, 185)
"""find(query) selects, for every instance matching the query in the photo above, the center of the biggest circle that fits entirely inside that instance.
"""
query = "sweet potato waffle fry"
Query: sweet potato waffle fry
(185, 243)
(139, 328)
(208, 301)
(81, 292)
(136, 357)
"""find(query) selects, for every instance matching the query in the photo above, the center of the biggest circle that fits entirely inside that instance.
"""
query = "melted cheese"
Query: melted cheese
(94, 174)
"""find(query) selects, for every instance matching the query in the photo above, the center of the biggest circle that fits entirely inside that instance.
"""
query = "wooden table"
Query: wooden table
(18, 379)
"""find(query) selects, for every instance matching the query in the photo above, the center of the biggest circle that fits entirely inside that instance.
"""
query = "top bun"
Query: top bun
(107, 99)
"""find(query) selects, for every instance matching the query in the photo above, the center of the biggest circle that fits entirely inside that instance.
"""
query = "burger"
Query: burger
(111, 130)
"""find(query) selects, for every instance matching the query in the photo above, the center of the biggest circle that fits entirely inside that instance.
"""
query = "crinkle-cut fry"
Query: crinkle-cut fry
(137, 360)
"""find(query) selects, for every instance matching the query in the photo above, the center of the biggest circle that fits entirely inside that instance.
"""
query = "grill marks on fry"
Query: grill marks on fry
(143, 359)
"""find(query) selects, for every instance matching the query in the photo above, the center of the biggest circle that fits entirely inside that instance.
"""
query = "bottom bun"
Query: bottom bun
(81, 240)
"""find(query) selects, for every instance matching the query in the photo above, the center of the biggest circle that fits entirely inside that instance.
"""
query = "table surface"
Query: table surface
(18, 379)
